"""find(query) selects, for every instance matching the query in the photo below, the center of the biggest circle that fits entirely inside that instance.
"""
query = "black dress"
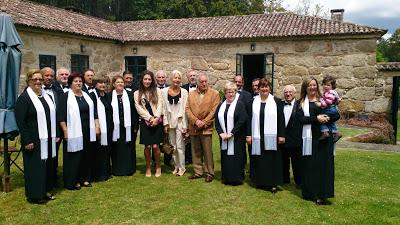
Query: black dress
(123, 153)
(102, 154)
(150, 135)
(232, 166)
(39, 174)
(267, 169)
(318, 172)
(77, 166)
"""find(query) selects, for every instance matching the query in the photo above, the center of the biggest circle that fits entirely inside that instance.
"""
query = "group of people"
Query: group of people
(97, 122)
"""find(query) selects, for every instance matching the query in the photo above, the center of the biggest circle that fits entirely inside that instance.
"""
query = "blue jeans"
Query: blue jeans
(331, 111)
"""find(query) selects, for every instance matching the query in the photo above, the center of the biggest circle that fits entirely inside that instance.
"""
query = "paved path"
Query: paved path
(368, 146)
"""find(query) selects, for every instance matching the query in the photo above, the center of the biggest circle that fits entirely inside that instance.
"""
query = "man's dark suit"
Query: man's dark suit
(188, 146)
(291, 150)
(57, 92)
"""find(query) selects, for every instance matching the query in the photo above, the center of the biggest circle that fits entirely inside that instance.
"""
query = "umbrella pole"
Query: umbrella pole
(6, 177)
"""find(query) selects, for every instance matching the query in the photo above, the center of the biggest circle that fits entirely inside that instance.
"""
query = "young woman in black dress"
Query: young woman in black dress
(149, 105)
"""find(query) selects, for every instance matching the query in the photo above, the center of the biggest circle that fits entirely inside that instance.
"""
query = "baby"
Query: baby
(328, 102)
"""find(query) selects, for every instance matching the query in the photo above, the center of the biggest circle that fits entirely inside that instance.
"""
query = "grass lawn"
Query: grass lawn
(366, 185)
(352, 131)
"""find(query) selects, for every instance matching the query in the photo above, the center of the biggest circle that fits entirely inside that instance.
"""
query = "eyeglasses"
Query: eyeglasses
(37, 79)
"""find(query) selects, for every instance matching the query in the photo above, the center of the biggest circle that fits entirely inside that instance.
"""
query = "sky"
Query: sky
(375, 13)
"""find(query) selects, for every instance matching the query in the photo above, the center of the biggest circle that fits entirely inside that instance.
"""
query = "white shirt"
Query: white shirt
(192, 88)
(49, 92)
(287, 110)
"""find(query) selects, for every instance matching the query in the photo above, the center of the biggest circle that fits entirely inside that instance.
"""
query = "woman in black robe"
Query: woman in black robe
(318, 155)
(102, 157)
(123, 152)
(230, 123)
(78, 120)
(38, 161)
(266, 171)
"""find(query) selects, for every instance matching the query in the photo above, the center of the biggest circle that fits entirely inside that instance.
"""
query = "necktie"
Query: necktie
(90, 88)
(65, 86)
(161, 87)
(192, 86)
(288, 103)
(47, 88)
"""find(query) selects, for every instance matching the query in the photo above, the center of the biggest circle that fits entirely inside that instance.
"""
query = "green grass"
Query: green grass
(348, 132)
(366, 185)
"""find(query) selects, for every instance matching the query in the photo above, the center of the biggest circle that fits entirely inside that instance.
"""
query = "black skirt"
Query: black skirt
(35, 174)
(150, 135)
(123, 156)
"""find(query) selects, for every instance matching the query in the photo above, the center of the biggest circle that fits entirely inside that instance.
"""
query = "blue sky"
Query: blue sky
(376, 13)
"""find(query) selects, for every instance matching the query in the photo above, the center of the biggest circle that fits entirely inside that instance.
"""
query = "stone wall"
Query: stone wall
(351, 61)
(104, 56)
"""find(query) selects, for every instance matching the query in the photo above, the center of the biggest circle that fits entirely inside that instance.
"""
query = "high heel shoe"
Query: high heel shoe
(181, 172)
(148, 173)
(158, 172)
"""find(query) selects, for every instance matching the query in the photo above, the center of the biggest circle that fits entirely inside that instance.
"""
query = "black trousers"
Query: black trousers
(291, 155)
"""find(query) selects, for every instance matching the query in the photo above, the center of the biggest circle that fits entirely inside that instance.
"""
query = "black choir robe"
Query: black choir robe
(123, 154)
(77, 166)
(38, 173)
(232, 166)
(266, 169)
(318, 172)
(102, 154)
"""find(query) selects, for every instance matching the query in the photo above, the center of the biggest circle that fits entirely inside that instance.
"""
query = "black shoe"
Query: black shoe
(49, 196)
(87, 184)
(195, 176)
(209, 178)
(77, 187)
(336, 137)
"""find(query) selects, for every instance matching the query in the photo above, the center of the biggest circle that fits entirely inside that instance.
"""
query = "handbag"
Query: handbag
(167, 148)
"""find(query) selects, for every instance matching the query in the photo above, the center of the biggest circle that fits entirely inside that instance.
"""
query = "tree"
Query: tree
(305, 7)
(389, 50)
(272, 6)
(122, 10)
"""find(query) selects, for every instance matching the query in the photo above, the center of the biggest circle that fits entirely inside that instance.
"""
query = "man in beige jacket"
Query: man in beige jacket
(200, 109)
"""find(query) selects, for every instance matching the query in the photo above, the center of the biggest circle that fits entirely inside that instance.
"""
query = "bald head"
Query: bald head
(289, 92)
(238, 79)
(48, 76)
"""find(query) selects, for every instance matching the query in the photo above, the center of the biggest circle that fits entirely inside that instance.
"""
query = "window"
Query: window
(79, 63)
(136, 64)
(47, 61)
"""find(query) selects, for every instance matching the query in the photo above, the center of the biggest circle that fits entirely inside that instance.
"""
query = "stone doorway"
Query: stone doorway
(252, 66)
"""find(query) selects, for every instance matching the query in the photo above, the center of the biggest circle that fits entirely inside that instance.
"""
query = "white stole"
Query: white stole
(306, 133)
(127, 116)
(270, 125)
(101, 113)
(74, 126)
(227, 145)
(42, 123)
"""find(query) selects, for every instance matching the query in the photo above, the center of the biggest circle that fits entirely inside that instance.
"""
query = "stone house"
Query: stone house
(283, 47)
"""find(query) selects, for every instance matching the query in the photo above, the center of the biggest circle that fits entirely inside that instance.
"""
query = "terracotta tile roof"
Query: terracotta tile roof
(388, 66)
(239, 27)
(275, 25)
(34, 14)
